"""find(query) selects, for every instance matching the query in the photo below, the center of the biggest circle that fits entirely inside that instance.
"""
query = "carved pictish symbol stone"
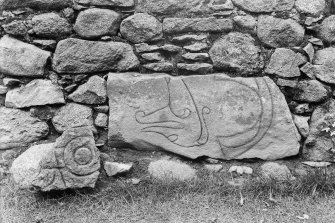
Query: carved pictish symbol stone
(215, 116)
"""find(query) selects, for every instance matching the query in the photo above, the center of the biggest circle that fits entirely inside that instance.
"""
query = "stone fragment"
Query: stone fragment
(141, 27)
(36, 4)
(302, 124)
(101, 120)
(238, 52)
(200, 68)
(315, 41)
(44, 113)
(196, 56)
(92, 92)
(317, 164)
(311, 91)
(213, 167)
(3, 89)
(285, 63)
(319, 145)
(77, 56)
(196, 47)
(246, 22)
(152, 57)
(144, 48)
(21, 59)
(275, 171)
(18, 128)
(113, 168)
(102, 109)
(94, 23)
(276, 32)
(324, 65)
(188, 38)
(73, 115)
(107, 3)
(16, 28)
(326, 30)
(241, 170)
(287, 83)
(159, 67)
(11, 82)
(303, 109)
(45, 44)
(183, 25)
(51, 25)
(170, 48)
(169, 170)
(259, 6)
(201, 115)
(309, 49)
(309, 70)
(35, 93)
(73, 161)
(311, 7)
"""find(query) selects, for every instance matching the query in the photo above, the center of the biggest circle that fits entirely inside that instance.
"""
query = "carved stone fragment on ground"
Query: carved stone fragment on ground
(215, 116)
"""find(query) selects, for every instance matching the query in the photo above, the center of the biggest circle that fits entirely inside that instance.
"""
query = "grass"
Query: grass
(209, 199)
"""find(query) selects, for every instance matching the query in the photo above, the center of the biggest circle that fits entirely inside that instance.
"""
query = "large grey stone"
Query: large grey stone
(51, 25)
(215, 116)
(285, 63)
(311, 91)
(73, 161)
(35, 93)
(73, 115)
(276, 32)
(92, 92)
(77, 56)
(183, 25)
(107, 3)
(326, 30)
(141, 27)
(311, 7)
(18, 128)
(21, 59)
(237, 51)
(259, 6)
(38, 4)
(324, 65)
(93, 23)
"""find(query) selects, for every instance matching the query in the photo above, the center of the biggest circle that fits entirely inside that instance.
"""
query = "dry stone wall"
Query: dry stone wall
(228, 79)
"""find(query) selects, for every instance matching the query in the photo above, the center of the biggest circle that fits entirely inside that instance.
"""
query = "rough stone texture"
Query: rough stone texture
(196, 47)
(214, 116)
(311, 91)
(169, 170)
(183, 25)
(309, 49)
(324, 65)
(152, 57)
(196, 56)
(45, 44)
(285, 63)
(73, 161)
(38, 4)
(113, 168)
(18, 128)
(11, 82)
(51, 25)
(213, 167)
(93, 23)
(101, 120)
(73, 115)
(241, 170)
(35, 93)
(276, 32)
(21, 59)
(3, 89)
(319, 146)
(159, 67)
(236, 51)
(107, 3)
(326, 30)
(258, 6)
(170, 48)
(92, 92)
(287, 83)
(188, 38)
(311, 7)
(145, 48)
(309, 70)
(16, 28)
(77, 56)
(275, 171)
(302, 124)
(200, 68)
(141, 27)
(247, 21)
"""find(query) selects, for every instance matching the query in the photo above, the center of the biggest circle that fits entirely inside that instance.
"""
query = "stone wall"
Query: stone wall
(56, 57)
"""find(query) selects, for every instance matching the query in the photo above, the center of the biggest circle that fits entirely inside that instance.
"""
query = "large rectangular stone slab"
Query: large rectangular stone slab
(215, 116)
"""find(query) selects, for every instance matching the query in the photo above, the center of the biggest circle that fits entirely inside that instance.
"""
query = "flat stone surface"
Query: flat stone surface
(311, 91)
(38, 4)
(285, 63)
(51, 25)
(92, 92)
(21, 59)
(35, 93)
(258, 6)
(73, 161)
(141, 27)
(16, 28)
(45, 44)
(326, 30)
(188, 38)
(152, 57)
(18, 128)
(170, 48)
(101, 120)
(324, 65)
(108, 3)
(199, 68)
(247, 21)
(196, 47)
(114, 168)
(145, 48)
(287, 83)
(196, 56)
(215, 116)
(94, 23)
(276, 32)
(73, 115)
(302, 124)
(311, 7)
(237, 51)
(159, 67)
(183, 25)
(170, 170)
(76, 56)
